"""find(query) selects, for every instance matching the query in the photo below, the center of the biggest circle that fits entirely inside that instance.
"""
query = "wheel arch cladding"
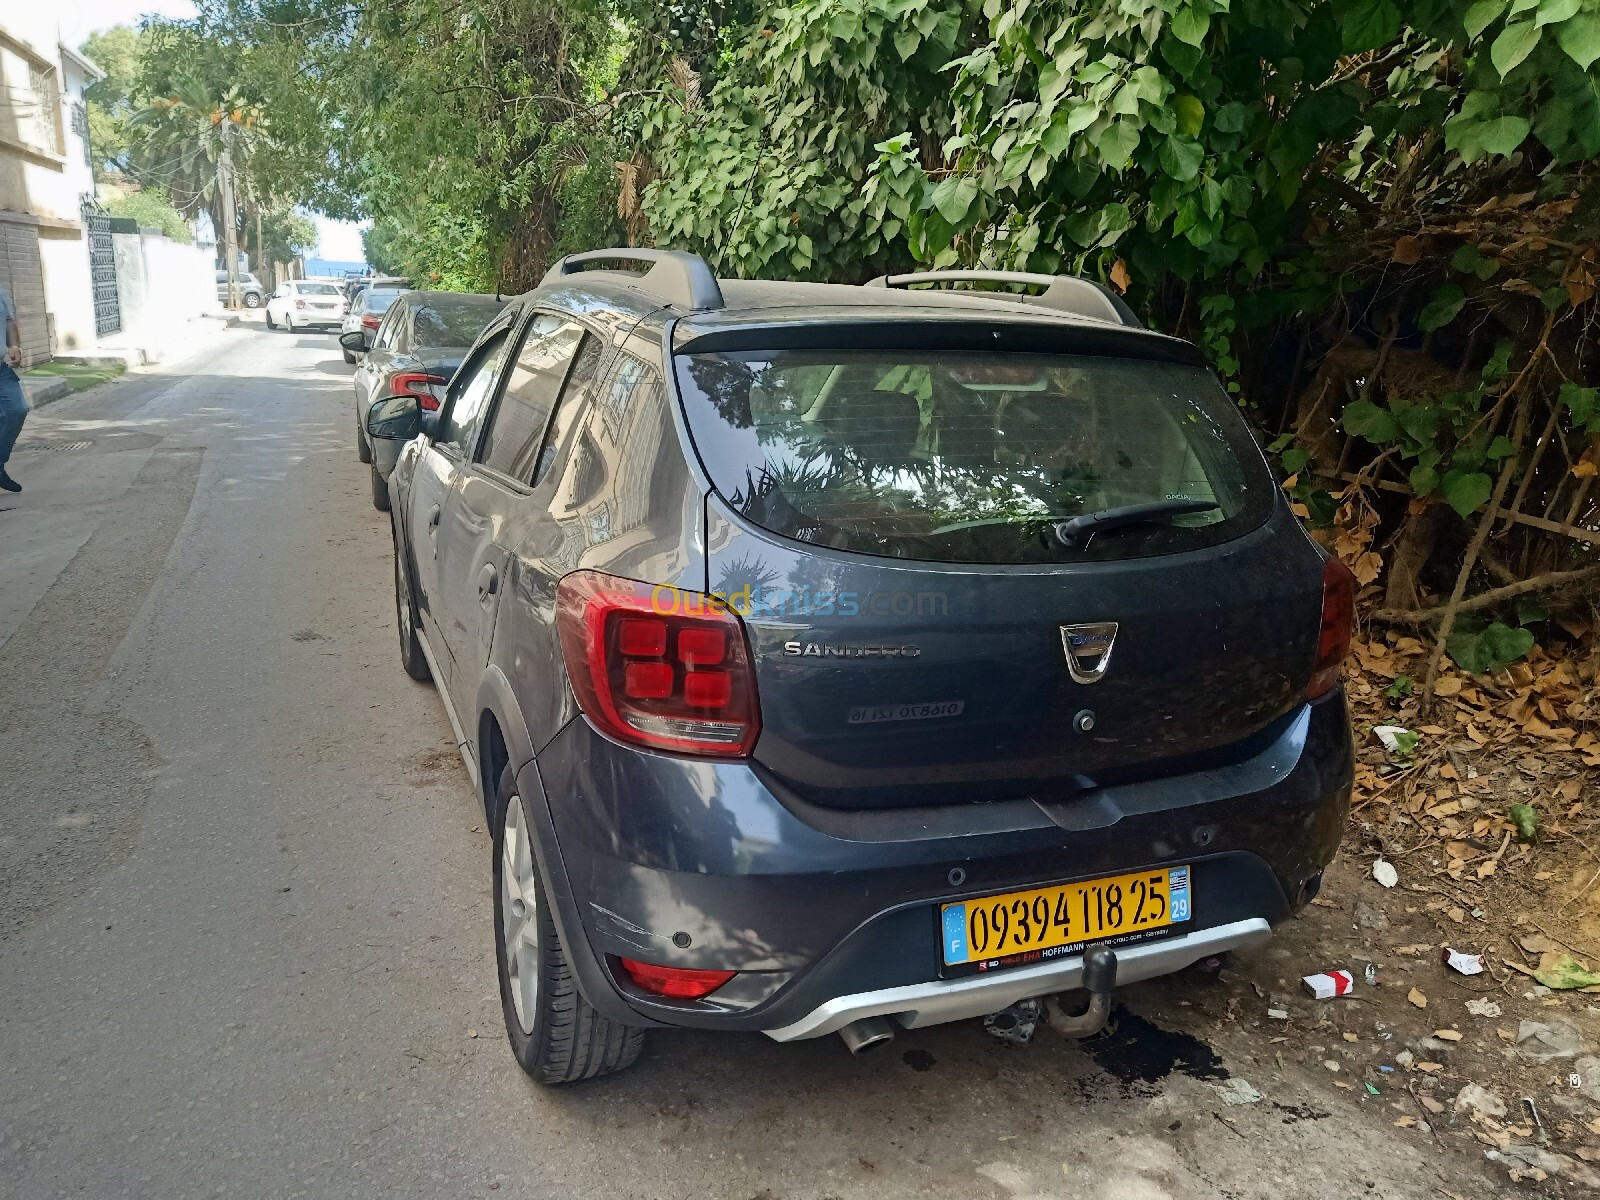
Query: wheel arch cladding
(502, 732)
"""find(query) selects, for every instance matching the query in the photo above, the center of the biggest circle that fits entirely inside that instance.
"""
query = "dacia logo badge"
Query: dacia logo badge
(1088, 649)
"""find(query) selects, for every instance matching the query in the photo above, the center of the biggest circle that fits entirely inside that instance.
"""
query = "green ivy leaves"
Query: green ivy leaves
(1466, 491)
(1514, 45)
(1579, 37)
(1488, 648)
(1444, 306)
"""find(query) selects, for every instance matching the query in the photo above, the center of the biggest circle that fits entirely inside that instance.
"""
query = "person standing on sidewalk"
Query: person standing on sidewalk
(13, 404)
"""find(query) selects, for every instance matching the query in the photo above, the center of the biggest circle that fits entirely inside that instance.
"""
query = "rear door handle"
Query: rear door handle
(488, 581)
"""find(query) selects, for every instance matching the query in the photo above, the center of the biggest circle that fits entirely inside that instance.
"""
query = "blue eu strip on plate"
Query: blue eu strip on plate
(955, 933)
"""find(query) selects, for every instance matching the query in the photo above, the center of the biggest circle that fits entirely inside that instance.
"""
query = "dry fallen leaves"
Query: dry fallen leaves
(1447, 1035)
(1416, 997)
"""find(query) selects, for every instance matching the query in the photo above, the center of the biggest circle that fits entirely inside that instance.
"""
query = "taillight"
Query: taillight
(1338, 617)
(678, 983)
(425, 387)
(299, 303)
(658, 666)
(370, 322)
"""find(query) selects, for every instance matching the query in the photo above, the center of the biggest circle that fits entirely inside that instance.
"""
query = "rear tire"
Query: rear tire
(363, 451)
(380, 491)
(405, 614)
(555, 1036)
(251, 300)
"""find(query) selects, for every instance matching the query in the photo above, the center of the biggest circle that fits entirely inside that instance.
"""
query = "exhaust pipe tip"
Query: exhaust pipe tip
(863, 1035)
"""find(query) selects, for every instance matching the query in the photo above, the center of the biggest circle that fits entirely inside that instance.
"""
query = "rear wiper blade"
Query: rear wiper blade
(1072, 531)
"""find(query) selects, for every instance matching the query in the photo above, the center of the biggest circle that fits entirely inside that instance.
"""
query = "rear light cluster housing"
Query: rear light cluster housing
(657, 666)
(1338, 619)
(419, 384)
(370, 322)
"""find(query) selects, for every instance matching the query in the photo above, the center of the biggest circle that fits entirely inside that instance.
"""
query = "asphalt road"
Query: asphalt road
(245, 941)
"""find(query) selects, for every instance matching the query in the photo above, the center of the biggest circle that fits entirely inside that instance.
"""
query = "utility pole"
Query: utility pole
(230, 223)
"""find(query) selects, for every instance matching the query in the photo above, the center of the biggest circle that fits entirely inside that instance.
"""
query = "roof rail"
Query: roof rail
(1065, 293)
(676, 276)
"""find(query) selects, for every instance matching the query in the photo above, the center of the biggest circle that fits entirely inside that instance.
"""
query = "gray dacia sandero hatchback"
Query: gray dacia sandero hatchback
(845, 659)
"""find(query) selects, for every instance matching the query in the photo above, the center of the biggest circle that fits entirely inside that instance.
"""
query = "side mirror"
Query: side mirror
(395, 419)
(355, 340)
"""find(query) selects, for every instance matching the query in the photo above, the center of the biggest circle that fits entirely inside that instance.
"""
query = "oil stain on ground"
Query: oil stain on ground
(1139, 1054)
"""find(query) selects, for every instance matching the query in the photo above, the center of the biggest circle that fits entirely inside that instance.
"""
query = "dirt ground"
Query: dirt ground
(1495, 1065)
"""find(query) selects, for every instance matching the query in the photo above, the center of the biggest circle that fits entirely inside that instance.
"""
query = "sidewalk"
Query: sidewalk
(68, 373)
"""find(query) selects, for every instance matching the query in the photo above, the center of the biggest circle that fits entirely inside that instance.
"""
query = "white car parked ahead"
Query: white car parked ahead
(301, 302)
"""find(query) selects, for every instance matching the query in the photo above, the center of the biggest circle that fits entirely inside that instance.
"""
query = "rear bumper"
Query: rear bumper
(830, 916)
(938, 1001)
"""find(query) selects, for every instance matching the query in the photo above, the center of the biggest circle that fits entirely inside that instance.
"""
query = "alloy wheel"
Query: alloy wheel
(519, 908)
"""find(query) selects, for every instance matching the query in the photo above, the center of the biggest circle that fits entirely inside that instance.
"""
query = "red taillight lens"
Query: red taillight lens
(658, 666)
(1338, 618)
(370, 322)
(425, 387)
(299, 303)
(678, 983)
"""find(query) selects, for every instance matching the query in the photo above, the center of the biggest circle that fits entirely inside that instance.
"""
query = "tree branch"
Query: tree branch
(1548, 582)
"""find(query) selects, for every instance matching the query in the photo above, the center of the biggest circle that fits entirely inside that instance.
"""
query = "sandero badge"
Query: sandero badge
(1088, 649)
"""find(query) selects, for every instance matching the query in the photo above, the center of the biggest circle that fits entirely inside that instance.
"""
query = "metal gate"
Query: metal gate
(102, 269)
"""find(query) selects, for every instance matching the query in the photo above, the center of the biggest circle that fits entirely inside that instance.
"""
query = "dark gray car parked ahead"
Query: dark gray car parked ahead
(837, 659)
(414, 350)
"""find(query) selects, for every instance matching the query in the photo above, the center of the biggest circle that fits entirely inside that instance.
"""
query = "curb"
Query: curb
(118, 358)
(41, 392)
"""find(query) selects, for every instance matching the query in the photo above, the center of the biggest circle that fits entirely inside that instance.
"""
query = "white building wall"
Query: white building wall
(44, 168)
(161, 284)
(68, 291)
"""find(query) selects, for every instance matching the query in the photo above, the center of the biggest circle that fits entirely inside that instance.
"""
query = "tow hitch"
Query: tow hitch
(1099, 979)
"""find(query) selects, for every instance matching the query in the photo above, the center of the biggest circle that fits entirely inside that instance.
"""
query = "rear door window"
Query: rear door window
(580, 383)
(469, 395)
(973, 457)
(513, 437)
(389, 333)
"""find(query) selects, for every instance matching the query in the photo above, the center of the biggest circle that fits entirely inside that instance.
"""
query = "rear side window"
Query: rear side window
(443, 324)
(524, 409)
(972, 457)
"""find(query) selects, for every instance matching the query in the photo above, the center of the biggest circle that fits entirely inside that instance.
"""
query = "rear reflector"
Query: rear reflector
(677, 983)
(657, 666)
(1338, 617)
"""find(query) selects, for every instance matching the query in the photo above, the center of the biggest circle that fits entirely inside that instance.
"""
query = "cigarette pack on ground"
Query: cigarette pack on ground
(1328, 984)
(1465, 964)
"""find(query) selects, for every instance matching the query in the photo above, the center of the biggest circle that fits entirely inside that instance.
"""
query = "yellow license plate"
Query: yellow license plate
(1051, 921)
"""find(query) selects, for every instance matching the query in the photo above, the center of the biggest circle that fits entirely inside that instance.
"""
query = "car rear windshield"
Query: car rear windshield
(444, 324)
(378, 301)
(317, 289)
(973, 457)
